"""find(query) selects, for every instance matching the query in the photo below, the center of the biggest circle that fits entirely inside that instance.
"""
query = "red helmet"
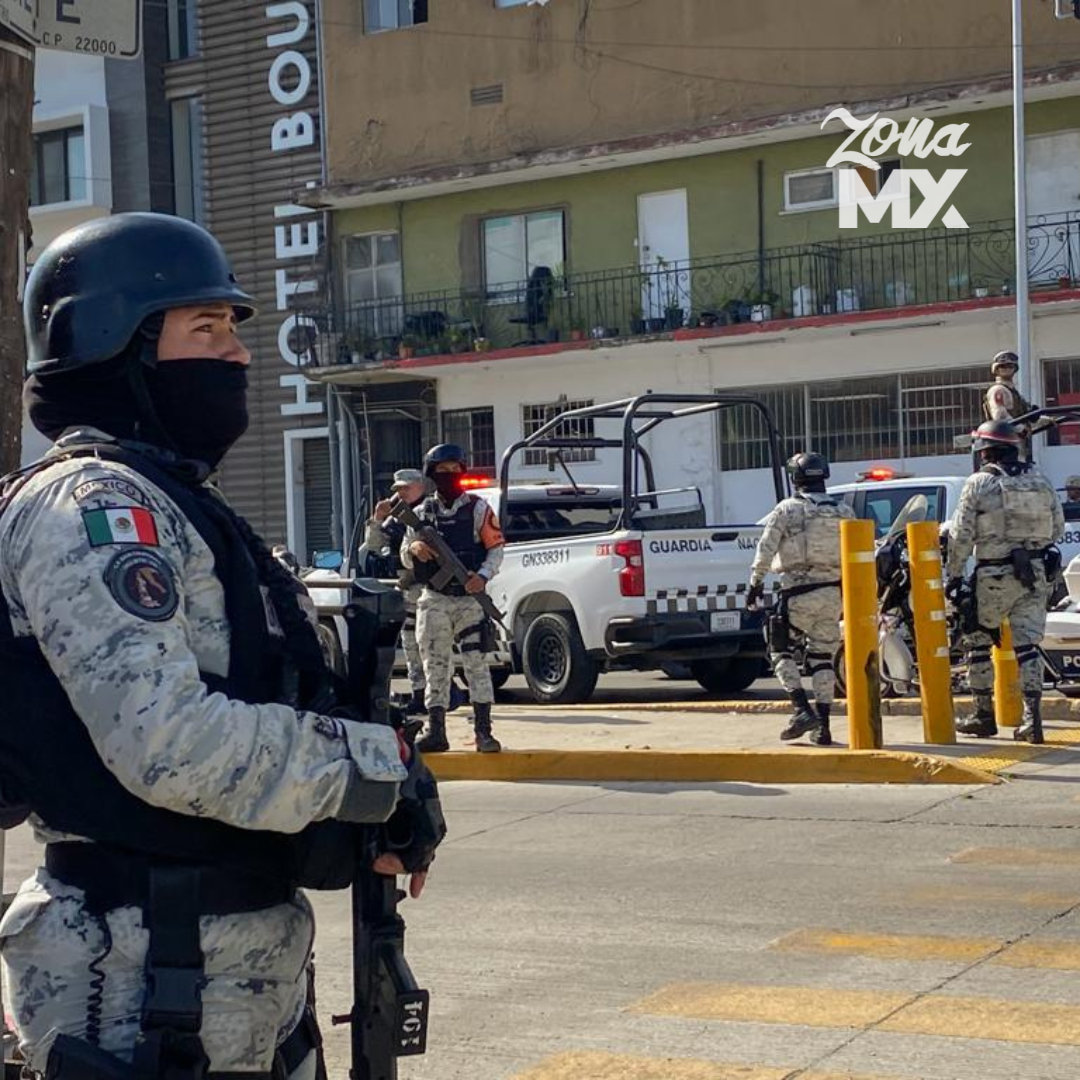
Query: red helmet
(995, 433)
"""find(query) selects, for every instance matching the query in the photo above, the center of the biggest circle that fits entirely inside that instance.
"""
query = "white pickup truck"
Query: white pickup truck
(598, 577)
(601, 577)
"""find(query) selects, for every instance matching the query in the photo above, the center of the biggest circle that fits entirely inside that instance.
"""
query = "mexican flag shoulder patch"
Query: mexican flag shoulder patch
(121, 525)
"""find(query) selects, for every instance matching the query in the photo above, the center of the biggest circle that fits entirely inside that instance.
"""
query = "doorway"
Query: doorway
(1053, 192)
(664, 257)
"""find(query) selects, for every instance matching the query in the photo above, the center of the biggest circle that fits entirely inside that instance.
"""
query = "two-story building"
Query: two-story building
(532, 206)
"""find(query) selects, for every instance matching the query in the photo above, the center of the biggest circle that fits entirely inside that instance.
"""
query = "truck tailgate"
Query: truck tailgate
(699, 569)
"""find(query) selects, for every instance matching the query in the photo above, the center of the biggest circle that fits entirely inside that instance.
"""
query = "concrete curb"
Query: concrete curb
(795, 765)
(1052, 708)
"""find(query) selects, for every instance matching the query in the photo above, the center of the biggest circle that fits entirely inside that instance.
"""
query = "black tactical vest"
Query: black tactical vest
(49, 765)
(459, 532)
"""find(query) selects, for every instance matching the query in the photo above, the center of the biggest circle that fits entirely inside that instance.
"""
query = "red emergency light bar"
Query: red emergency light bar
(476, 481)
(883, 472)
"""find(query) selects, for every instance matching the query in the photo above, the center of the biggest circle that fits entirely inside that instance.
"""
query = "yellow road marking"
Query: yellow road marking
(994, 856)
(890, 946)
(935, 895)
(1053, 955)
(813, 1007)
(934, 1014)
(598, 1065)
(987, 1018)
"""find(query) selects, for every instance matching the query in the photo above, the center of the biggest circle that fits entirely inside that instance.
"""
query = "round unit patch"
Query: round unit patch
(141, 582)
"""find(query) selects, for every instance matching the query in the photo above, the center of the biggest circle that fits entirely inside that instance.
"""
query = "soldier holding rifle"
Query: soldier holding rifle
(454, 608)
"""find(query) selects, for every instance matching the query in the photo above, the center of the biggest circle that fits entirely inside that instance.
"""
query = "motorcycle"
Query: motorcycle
(896, 621)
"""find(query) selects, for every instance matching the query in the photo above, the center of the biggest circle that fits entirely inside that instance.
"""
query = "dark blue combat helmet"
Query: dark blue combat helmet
(444, 452)
(93, 286)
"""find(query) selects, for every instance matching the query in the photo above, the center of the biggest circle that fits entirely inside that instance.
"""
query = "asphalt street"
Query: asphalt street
(728, 930)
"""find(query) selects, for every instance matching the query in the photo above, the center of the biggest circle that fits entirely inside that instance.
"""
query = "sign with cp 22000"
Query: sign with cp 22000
(110, 28)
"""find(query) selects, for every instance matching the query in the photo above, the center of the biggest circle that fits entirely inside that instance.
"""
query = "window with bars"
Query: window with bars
(744, 440)
(1062, 381)
(810, 189)
(474, 431)
(914, 414)
(534, 417)
(855, 419)
(58, 166)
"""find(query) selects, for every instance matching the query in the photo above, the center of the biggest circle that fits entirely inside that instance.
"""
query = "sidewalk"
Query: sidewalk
(709, 742)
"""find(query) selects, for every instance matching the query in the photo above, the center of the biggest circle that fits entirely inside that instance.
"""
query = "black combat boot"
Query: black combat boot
(415, 705)
(433, 741)
(1030, 729)
(822, 736)
(486, 743)
(981, 722)
(804, 718)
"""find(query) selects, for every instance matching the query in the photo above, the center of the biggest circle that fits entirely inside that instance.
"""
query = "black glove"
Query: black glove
(416, 827)
(954, 589)
(755, 594)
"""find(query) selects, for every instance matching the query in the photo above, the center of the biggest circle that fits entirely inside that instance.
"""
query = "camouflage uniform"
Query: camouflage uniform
(997, 513)
(802, 537)
(1003, 401)
(129, 646)
(376, 539)
(445, 621)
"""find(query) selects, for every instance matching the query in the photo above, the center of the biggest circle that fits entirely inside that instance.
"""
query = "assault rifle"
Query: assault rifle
(390, 1011)
(451, 568)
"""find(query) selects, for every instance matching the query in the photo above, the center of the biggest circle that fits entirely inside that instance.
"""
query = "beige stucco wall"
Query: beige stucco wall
(578, 75)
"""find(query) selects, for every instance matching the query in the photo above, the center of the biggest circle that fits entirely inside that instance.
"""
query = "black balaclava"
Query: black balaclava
(197, 408)
(448, 485)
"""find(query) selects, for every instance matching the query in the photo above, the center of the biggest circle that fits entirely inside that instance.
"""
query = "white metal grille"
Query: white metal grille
(534, 417)
(906, 415)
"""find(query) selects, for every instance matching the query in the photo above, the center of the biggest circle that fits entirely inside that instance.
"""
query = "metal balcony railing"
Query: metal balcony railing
(889, 270)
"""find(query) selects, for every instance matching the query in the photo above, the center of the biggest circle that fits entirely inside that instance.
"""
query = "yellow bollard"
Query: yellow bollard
(931, 633)
(861, 665)
(1008, 701)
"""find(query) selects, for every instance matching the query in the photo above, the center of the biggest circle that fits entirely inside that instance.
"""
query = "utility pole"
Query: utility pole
(1027, 375)
(16, 147)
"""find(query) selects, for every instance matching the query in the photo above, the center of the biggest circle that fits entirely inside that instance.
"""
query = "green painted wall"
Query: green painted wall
(439, 234)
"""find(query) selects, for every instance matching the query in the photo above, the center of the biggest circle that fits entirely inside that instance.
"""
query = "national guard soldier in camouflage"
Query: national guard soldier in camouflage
(802, 538)
(385, 534)
(445, 618)
(1002, 400)
(169, 729)
(1009, 517)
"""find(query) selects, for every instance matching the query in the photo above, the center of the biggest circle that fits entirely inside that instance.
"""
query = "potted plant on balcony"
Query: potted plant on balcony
(674, 315)
(457, 339)
(761, 303)
(359, 346)
(577, 328)
(407, 346)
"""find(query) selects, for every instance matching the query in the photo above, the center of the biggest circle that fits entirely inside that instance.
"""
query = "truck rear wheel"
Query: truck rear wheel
(555, 664)
(727, 675)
